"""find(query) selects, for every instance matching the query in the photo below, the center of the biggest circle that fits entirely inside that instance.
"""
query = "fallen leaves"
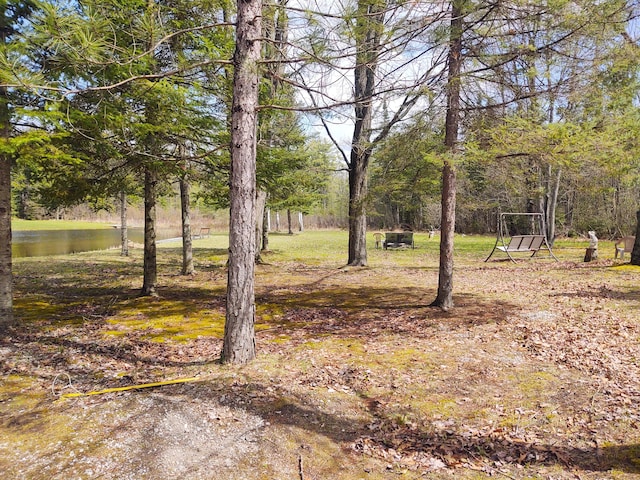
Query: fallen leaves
(536, 367)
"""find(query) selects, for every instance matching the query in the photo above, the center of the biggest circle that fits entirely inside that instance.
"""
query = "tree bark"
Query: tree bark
(187, 244)
(635, 253)
(23, 202)
(444, 298)
(6, 267)
(151, 143)
(370, 25)
(551, 203)
(266, 227)
(552, 207)
(300, 221)
(150, 279)
(239, 329)
(289, 223)
(357, 211)
(261, 202)
(124, 231)
(6, 274)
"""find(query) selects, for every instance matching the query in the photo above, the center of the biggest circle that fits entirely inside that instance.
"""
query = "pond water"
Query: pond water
(38, 243)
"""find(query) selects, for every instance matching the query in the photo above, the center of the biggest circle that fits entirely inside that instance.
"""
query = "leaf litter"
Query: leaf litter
(534, 374)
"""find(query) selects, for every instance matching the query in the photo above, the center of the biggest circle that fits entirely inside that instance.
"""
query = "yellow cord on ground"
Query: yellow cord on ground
(130, 387)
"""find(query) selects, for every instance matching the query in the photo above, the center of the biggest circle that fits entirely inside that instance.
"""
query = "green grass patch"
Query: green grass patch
(19, 224)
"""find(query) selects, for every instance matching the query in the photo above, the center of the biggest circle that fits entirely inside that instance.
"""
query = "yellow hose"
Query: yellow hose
(130, 387)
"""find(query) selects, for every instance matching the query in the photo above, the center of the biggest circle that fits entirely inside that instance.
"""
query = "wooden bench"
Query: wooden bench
(204, 232)
(398, 239)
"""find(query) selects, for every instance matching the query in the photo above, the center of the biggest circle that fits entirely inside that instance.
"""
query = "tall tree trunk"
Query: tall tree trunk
(267, 219)
(370, 26)
(568, 208)
(150, 280)
(635, 253)
(357, 213)
(396, 215)
(548, 202)
(615, 208)
(552, 207)
(22, 204)
(277, 221)
(266, 228)
(276, 29)
(444, 298)
(261, 202)
(187, 245)
(300, 221)
(124, 230)
(239, 330)
(289, 223)
(151, 143)
(6, 275)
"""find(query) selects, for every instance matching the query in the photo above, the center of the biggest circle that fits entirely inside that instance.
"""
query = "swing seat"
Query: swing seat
(524, 243)
(521, 243)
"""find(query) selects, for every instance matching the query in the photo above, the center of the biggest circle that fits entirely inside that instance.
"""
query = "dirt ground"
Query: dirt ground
(534, 374)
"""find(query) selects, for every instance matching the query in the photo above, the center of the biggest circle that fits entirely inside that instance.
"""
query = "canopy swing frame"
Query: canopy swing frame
(525, 243)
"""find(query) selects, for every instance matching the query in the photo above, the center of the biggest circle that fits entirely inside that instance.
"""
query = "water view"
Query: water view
(38, 243)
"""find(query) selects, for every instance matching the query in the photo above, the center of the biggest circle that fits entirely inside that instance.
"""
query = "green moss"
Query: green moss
(626, 267)
(281, 339)
(535, 382)
(269, 312)
(34, 308)
(175, 327)
(408, 358)
(16, 390)
(441, 408)
(115, 333)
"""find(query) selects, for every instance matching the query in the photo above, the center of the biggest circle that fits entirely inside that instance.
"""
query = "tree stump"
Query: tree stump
(591, 254)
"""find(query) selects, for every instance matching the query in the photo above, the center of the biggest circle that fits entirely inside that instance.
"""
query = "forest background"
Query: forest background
(551, 125)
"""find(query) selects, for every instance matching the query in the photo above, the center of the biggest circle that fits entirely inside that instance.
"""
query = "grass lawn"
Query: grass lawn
(19, 224)
(535, 374)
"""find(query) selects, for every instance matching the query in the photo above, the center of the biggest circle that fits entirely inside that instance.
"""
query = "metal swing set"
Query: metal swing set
(532, 243)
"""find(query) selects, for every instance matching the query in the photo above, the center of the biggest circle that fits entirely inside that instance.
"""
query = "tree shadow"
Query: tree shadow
(373, 432)
(84, 313)
(382, 436)
(604, 292)
(372, 312)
